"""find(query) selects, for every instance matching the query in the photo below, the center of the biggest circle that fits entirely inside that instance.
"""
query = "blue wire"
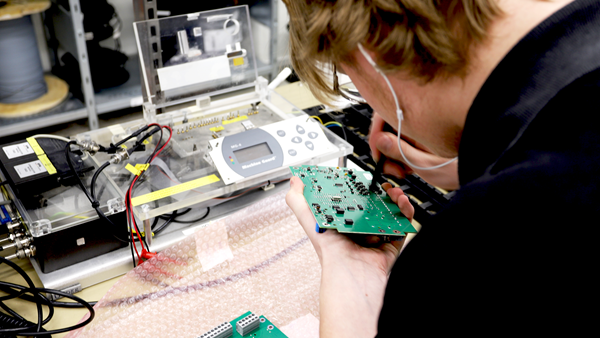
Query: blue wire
(339, 125)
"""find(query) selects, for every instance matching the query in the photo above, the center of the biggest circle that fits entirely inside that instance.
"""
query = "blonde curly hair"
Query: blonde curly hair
(427, 38)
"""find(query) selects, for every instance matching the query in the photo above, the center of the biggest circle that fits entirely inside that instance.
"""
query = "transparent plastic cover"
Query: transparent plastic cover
(189, 55)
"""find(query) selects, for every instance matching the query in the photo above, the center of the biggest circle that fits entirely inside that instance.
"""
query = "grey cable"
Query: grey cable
(21, 73)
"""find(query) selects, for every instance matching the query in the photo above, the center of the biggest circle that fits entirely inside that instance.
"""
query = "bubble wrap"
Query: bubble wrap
(271, 270)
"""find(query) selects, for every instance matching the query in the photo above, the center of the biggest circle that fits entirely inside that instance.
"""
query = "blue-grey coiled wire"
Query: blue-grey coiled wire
(21, 73)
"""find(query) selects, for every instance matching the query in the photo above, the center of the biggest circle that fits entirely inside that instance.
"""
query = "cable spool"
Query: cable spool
(24, 89)
(21, 75)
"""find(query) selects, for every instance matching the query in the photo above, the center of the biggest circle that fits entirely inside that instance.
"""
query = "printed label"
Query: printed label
(30, 169)
(18, 150)
(368, 176)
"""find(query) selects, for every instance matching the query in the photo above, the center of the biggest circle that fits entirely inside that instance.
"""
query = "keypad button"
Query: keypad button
(312, 135)
(296, 139)
(299, 129)
(309, 145)
(292, 152)
(281, 133)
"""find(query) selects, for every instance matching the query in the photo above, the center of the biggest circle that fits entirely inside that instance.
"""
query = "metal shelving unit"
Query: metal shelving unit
(68, 25)
(69, 28)
(126, 95)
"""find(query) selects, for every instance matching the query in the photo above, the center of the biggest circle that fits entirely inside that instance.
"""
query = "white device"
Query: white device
(270, 147)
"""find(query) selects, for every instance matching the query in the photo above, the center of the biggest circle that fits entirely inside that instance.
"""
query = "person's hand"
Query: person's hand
(354, 276)
(333, 243)
(385, 143)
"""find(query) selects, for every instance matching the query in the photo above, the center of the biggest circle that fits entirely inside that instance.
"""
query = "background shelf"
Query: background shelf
(126, 95)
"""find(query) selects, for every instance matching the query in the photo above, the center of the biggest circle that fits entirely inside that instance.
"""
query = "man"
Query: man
(511, 88)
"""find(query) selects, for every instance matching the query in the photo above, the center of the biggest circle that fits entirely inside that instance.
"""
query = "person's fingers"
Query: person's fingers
(398, 197)
(396, 169)
(296, 201)
(391, 251)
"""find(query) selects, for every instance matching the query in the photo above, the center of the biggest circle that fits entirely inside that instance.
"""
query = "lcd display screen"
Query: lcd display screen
(253, 152)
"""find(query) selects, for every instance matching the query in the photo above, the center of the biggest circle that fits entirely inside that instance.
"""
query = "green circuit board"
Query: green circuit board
(340, 199)
(256, 327)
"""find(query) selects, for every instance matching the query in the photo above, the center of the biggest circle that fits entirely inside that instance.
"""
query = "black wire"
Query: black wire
(194, 220)
(75, 173)
(178, 213)
(37, 291)
(31, 285)
(132, 255)
(8, 321)
(10, 288)
(95, 177)
(10, 311)
(165, 224)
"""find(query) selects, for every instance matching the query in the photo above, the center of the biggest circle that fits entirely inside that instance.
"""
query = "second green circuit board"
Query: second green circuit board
(340, 198)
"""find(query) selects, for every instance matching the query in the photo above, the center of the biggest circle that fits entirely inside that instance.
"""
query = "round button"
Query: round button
(296, 139)
(299, 129)
(281, 133)
(312, 135)
(292, 152)
(309, 145)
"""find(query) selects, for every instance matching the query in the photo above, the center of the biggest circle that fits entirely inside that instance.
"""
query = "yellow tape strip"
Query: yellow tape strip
(46, 162)
(153, 196)
(219, 128)
(35, 146)
(237, 119)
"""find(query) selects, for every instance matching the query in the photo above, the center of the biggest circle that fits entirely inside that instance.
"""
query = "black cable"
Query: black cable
(11, 288)
(134, 134)
(10, 311)
(95, 204)
(194, 220)
(75, 173)
(37, 292)
(131, 249)
(178, 213)
(165, 224)
(7, 321)
(29, 283)
(95, 177)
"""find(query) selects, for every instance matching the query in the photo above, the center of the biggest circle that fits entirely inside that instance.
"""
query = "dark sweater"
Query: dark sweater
(516, 250)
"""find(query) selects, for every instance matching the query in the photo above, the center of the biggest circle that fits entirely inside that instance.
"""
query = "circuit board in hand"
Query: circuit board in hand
(340, 198)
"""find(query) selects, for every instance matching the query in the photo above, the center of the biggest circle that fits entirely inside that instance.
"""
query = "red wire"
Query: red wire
(130, 211)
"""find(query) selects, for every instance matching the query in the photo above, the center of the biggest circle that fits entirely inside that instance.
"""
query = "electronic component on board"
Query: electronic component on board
(224, 330)
(247, 325)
